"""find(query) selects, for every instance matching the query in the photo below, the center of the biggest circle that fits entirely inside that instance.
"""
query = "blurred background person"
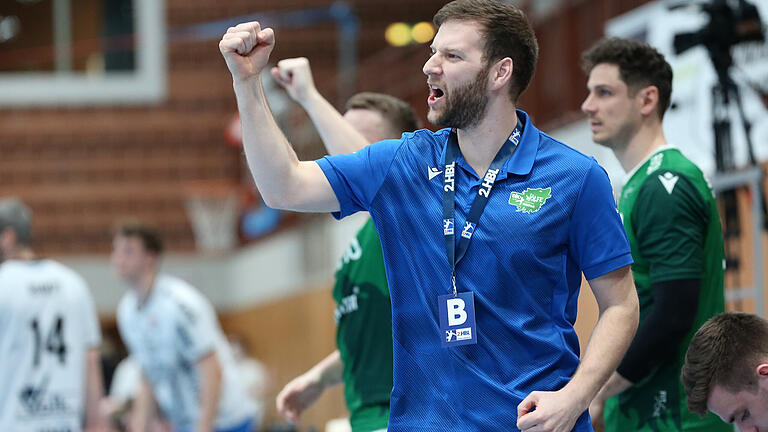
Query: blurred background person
(121, 397)
(173, 334)
(50, 369)
(254, 376)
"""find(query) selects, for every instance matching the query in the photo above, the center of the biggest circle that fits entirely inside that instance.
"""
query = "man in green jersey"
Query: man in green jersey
(363, 360)
(671, 218)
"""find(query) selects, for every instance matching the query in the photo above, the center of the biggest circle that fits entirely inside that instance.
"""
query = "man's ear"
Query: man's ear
(7, 238)
(502, 73)
(649, 100)
(762, 370)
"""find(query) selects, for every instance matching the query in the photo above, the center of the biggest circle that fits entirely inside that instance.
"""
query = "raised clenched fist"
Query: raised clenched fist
(295, 75)
(246, 48)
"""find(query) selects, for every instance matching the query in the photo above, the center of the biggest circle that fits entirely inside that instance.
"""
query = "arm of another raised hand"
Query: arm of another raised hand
(338, 135)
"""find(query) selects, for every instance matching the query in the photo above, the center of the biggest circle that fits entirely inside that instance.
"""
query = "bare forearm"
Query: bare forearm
(210, 390)
(338, 135)
(329, 370)
(94, 389)
(270, 156)
(619, 314)
(284, 181)
(143, 407)
(609, 342)
(304, 390)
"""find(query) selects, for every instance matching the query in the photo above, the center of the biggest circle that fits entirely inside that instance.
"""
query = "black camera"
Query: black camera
(730, 23)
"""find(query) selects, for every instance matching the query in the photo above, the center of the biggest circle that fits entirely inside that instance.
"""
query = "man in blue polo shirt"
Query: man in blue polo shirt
(482, 308)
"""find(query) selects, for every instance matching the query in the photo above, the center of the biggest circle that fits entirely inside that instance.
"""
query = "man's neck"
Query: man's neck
(479, 144)
(144, 285)
(21, 254)
(646, 141)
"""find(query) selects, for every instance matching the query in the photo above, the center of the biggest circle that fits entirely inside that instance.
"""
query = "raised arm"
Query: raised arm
(283, 181)
(338, 135)
(619, 314)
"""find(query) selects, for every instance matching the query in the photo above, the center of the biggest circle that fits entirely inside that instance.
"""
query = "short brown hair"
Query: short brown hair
(149, 237)
(724, 352)
(507, 33)
(396, 112)
(640, 65)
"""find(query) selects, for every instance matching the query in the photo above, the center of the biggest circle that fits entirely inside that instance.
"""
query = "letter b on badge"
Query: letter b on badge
(457, 319)
(456, 313)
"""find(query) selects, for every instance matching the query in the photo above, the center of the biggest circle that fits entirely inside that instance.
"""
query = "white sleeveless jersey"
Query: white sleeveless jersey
(167, 335)
(47, 324)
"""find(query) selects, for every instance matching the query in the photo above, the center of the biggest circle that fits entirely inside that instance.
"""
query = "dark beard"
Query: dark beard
(465, 106)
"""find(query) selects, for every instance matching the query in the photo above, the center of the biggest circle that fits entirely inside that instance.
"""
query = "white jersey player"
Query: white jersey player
(50, 372)
(172, 332)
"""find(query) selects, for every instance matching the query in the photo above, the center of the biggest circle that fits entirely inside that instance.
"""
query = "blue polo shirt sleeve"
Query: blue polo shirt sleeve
(357, 177)
(597, 237)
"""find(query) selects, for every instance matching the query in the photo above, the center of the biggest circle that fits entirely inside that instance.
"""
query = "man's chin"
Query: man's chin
(601, 140)
(435, 118)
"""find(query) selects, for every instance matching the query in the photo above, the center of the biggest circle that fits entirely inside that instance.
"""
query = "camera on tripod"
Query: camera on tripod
(729, 24)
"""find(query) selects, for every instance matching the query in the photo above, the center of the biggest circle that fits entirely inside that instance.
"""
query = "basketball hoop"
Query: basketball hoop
(212, 208)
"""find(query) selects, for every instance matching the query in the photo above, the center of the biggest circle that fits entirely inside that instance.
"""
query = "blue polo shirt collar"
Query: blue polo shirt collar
(522, 159)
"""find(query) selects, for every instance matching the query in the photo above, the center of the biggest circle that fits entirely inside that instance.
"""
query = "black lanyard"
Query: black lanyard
(481, 199)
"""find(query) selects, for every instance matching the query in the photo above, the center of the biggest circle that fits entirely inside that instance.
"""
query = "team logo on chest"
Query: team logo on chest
(531, 200)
